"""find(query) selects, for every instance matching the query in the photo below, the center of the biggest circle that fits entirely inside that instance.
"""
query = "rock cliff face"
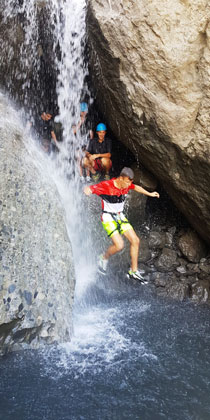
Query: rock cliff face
(36, 268)
(150, 65)
(27, 59)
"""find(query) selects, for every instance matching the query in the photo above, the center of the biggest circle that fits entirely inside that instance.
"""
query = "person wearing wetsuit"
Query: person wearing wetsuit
(113, 193)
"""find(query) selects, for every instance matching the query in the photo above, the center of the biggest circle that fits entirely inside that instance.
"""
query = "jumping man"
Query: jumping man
(114, 222)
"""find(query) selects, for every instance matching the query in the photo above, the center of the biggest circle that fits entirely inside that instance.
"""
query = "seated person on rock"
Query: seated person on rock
(84, 126)
(80, 156)
(98, 155)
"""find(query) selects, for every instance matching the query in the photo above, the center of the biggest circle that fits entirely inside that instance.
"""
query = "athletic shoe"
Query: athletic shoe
(102, 265)
(88, 179)
(136, 275)
(107, 177)
(95, 177)
(82, 179)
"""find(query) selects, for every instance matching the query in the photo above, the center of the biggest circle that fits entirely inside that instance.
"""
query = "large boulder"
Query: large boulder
(191, 246)
(150, 66)
(36, 263)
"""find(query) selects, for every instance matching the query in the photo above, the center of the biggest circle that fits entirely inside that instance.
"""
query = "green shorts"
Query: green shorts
(115, 223)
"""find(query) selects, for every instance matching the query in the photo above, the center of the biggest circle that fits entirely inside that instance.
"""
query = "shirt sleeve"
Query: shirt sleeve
(100, 188)
(132, 186)
(52, 125)
(90, 146)
(108, 145)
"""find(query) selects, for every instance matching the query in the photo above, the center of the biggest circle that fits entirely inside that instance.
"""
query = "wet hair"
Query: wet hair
(128, 172)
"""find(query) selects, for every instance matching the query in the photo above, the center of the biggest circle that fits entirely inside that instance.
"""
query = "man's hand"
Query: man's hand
(93, 157)
(87, 190)
(155, 194)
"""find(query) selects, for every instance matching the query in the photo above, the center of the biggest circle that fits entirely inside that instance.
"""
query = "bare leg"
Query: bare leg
(89, 165)
(117, 246)
(106, 164)
(134, 247)
(80, 168)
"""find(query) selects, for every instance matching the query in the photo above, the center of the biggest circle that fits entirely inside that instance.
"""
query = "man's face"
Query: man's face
(83, 114)
(46, 117)
(101, 135)
(125, 181)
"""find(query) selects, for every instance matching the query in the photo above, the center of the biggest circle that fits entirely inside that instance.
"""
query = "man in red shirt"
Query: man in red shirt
(114, 222)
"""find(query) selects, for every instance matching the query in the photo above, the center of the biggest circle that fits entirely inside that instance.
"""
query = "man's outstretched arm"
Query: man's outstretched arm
(141, 190)
(87, 190)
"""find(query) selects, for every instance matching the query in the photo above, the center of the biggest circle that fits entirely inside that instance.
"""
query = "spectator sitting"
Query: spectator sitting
(84, 126)
(98, 155)
(80, 158)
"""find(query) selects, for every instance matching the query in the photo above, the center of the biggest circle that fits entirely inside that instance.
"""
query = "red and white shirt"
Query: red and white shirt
(112, 197)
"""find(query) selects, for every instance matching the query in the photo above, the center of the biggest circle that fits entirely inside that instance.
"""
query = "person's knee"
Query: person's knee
(119, 245)
(106, 162)
(85, 162)
(136, 240)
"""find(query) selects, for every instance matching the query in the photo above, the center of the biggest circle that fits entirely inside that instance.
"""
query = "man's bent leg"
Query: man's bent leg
(106, 164)
(89, 165)
(117, 246)
(134, 247)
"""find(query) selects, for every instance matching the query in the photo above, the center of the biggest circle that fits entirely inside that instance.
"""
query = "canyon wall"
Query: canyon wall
(150, 64)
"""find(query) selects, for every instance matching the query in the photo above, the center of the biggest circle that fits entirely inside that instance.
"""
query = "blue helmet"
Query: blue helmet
(83, 107)
(101, 127)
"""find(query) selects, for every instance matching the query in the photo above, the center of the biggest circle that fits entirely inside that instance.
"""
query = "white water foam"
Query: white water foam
(97, 343)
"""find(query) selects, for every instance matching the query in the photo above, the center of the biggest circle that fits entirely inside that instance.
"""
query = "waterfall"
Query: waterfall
(56, 29)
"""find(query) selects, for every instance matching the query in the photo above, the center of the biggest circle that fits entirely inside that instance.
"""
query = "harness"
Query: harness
(114, 217)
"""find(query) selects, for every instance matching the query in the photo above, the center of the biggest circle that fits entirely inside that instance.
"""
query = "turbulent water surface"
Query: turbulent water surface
(132, 356)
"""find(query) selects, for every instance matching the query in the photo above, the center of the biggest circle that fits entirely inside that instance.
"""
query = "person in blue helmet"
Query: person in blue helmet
(98, 155)
(84, 126)
(84, 133)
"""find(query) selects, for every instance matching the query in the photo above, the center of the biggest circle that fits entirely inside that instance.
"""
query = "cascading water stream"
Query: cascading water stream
(66, 29)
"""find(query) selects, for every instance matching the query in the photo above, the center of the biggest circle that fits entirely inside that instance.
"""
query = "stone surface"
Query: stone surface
(192, 247)
(201, 291)
(150, 66)
(167, 260)
(157, 240)
(36, 264)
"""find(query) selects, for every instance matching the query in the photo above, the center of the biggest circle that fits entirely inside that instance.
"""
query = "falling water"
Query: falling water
(65, 29)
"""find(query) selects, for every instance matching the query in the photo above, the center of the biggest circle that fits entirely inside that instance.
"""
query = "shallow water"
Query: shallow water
(132, 356)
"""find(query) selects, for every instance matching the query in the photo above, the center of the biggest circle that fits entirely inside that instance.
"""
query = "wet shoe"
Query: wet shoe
(136, 275)
(102, 265)
(107, 177)
(95, 177)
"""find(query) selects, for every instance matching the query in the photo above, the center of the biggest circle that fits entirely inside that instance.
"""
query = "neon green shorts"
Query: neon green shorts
(113, 224)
